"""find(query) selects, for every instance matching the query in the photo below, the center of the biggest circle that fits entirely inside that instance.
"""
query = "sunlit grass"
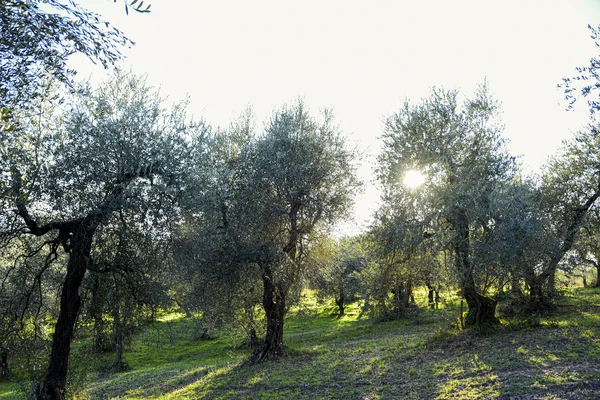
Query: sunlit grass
(352, 357)
(9, 391)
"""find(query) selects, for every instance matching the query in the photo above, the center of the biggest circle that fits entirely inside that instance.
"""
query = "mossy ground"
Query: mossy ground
(425, 356)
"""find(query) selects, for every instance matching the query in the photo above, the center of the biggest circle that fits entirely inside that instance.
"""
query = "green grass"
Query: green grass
(550, 356)
(9, 390)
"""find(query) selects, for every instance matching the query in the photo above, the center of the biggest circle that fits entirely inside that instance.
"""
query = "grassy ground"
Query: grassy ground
(554, 356)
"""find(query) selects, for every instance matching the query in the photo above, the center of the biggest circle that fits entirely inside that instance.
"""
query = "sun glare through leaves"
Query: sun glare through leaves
(413, 179)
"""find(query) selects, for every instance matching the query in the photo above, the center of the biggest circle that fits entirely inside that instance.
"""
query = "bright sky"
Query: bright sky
(363, 58)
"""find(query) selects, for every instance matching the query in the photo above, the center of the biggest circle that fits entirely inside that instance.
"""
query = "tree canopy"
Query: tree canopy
(37, 39)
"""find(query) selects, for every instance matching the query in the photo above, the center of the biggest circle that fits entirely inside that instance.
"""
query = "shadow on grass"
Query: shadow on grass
(558, 357)
(336, 359)
(554, 356)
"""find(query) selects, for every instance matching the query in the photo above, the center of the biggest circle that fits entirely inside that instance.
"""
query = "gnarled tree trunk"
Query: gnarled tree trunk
(340, 301)
(538, 300)
(119, 345)
(53, 386)
(399, 300)
(274, 306)
(4, 370)
(577, 221)
(430, 294)
(482, 309)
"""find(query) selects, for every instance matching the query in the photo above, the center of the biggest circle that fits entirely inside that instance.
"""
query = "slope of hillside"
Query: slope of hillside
(554, 356)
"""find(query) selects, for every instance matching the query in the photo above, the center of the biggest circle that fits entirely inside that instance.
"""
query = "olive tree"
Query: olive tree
(570, 186)
(586, 84)
(335, 267)
(37, 39)
(571, 180)
(113, 148)
(272, 192)
(218, 280)
(588, 243)
(457, 146)
(300, 176)
(401, 252)
(129, 280)
(26, 302)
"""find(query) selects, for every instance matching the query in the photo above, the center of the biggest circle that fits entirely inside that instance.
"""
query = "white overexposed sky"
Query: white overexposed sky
(363, 59)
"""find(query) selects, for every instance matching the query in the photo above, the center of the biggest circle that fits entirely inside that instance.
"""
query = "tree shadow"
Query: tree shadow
(559, 357)
(556, 356)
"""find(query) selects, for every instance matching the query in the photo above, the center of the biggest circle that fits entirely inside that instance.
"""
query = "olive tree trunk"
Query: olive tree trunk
(482, 309)
(118, 328)
(340, 301)
(578, 219)
(430, 295)
(274, 306)
(4, 370)
(53, 386)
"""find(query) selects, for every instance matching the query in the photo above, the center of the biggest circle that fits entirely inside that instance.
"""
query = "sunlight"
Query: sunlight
(413, 179)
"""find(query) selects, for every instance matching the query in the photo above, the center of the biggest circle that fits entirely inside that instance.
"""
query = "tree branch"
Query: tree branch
(23, 212)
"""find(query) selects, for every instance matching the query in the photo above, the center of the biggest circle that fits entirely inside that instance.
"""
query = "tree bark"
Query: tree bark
(551, 277)
(538, 300)
(118, 328)
(430, 295)
(399, 300)
(76, 237)
(274, 293)
(274, 306)
(595, 262)
(100, 338)
(341, 302)
(577, 221)
(4, 370)
(251, 340)
(53, 386)
(481, 309)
